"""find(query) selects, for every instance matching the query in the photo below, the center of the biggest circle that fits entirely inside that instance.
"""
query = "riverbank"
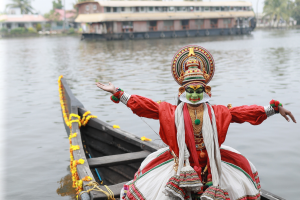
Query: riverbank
(31, 32)
(277, 28)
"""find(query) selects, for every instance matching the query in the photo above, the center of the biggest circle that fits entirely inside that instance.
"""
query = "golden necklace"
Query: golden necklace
(197, 113)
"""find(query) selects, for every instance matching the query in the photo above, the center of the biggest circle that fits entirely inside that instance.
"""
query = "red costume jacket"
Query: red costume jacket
(165, 112)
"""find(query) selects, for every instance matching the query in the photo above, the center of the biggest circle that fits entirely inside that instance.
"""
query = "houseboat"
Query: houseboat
(111, 20)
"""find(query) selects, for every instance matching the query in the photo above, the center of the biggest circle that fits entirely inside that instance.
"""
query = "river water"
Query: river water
(251, 69)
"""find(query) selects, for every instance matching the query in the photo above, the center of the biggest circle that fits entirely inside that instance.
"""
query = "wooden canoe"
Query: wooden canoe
(112, 156)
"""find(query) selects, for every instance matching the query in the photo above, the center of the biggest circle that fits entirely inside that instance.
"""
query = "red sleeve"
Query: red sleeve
(143, 107)
(223, 119)
(253, 114)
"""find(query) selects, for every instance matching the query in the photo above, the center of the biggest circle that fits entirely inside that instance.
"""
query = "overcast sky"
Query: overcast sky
(44, 6)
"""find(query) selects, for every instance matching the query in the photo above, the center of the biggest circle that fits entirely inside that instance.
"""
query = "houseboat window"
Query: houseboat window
(226, 23)
(172, 9)
(214, 23)
(142, 9)
(8, 25)
(94, 7)
(191, 8)
(152, 25)
(168, 25)
(107, 9)
(185, 24)
(122, 9)
(150, 9)
(157, 9)
(217, 8)
(183, 8)
(231, 8)
(127, 26)
(87, 7)
(199, 23)
(164, 9)
(206, 8)
(115, 9)
(178, 8)
(137, 9)
(197, 8)
(21, 25)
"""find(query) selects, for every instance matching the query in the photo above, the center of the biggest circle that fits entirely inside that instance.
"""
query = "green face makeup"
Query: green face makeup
(194, 93)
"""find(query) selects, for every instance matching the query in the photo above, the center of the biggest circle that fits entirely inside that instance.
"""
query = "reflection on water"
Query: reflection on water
(250, 69)
(65, 186)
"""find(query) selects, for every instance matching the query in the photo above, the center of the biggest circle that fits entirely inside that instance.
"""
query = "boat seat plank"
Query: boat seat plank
(120, 159)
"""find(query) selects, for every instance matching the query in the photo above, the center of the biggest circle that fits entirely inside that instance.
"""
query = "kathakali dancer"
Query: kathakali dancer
(195, 165)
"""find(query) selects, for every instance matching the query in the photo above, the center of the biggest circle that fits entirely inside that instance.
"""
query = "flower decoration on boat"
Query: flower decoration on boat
(69, 120)
(116, 126)
(145, 139)
(87, 178)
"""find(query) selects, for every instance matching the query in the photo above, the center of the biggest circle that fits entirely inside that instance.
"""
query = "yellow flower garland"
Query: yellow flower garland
(77, 183)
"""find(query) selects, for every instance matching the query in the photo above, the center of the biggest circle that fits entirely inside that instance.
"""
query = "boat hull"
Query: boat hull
(168, 34)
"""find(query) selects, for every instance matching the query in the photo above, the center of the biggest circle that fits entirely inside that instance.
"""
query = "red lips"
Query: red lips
(198, 99)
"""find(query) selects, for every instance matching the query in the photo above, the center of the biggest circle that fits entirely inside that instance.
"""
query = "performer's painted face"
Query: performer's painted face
(194, 93)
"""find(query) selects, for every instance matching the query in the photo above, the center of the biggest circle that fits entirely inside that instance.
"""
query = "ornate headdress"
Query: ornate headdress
(193, 64)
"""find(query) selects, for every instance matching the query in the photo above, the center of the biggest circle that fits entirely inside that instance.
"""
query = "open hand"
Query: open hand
(285, 113)
(108, 88)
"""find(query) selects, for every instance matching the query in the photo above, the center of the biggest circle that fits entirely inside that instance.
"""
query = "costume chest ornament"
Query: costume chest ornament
(196, 114)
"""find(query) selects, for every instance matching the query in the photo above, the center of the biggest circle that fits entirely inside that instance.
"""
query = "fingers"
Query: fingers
(291, 116)
(284, 115)
(100, 85)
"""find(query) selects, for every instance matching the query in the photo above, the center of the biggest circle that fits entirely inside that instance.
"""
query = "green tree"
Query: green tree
(24, 5)
(276, 10)
(38, 27)
(52, 16)
(57, 5)
(296, 11)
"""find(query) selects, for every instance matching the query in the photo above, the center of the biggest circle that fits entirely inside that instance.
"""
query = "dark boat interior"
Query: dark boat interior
(101, 142)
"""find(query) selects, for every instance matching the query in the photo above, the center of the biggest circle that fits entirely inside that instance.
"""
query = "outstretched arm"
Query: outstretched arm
(139, 105)
(257, 114)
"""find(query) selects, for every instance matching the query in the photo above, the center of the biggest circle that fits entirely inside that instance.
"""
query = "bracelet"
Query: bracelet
(275, 105)
(117, 95)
